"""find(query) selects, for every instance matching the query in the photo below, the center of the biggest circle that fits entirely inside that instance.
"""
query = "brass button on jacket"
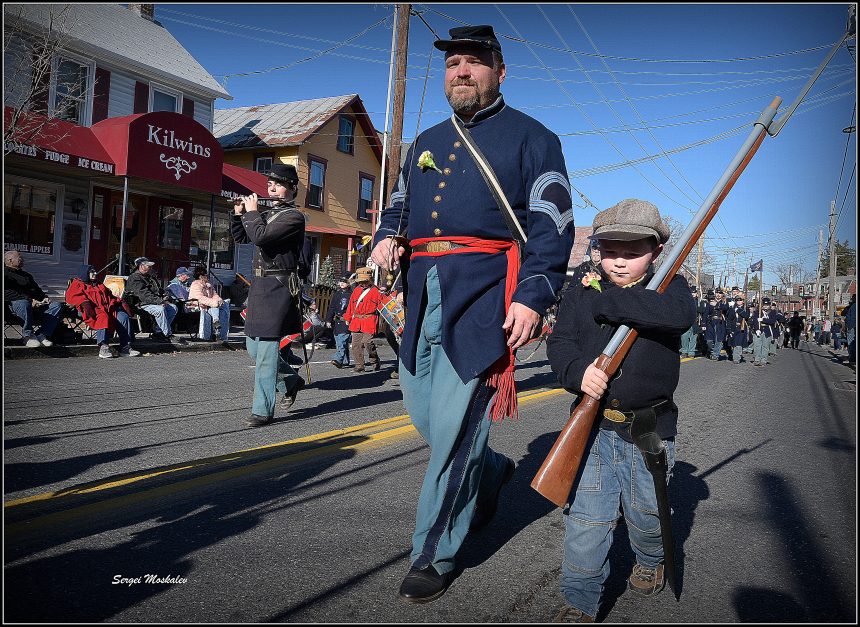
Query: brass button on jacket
(447, 171)
(435, 215)
(441, 184)
(457, 144)
(615, 402)
(437, 199)
(437, 232)
(452, 157)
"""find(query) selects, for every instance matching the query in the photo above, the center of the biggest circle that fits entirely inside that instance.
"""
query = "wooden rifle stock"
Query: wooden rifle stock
(554, 479)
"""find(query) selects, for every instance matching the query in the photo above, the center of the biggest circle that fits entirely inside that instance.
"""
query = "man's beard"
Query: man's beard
(471, 103)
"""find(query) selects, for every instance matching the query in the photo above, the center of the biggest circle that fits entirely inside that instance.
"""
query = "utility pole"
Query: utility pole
(403, 11)
(816, 304)
(831, 293)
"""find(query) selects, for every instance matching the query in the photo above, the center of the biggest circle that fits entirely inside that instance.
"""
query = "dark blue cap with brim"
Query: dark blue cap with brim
(481, 35)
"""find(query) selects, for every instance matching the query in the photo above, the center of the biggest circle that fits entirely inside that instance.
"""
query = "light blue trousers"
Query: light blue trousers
(452, 417)
(272, 375)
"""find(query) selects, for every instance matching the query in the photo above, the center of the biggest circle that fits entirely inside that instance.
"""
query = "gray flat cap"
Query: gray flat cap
(629, 220)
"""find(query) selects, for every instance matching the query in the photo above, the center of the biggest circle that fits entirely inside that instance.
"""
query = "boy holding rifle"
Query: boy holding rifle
(630, 236)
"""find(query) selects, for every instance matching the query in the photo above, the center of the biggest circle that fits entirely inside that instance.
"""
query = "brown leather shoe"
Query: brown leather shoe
(646, 581)
(569, 614)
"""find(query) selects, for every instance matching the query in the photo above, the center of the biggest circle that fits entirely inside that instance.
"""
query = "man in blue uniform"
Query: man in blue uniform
(474, 294)
(737, 321)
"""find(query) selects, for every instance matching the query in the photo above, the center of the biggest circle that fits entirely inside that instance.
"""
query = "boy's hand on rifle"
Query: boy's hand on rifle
(594, 381)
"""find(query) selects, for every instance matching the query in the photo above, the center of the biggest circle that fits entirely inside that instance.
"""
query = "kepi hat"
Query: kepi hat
(364, 274)
(284, 173)
(480, 35)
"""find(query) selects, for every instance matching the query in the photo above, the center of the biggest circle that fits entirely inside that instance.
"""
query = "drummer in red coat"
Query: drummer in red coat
(363, 317)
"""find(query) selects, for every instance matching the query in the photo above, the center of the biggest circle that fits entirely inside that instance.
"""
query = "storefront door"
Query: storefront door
(135, 226)
(169, 235)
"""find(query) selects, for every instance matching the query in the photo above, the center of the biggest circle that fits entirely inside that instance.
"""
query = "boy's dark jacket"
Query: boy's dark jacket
(587, 318)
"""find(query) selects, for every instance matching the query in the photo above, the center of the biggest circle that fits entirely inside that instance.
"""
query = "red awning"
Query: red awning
(56, 141)
(171, 148)
(236, 181)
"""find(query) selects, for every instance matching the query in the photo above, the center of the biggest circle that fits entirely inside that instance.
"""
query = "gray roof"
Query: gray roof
(116, 34)
(283, 124)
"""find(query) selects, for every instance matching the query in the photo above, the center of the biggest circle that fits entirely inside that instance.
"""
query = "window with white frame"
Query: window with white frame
(165, 100)
(263, 165)
(70, 88)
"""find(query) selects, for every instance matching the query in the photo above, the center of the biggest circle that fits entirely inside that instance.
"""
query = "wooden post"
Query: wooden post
(399, 97)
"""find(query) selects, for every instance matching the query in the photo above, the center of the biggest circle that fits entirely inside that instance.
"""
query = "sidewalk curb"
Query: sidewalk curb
(146, 347)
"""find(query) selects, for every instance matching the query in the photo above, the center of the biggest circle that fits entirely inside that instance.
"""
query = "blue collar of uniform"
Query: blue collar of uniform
(488, 112)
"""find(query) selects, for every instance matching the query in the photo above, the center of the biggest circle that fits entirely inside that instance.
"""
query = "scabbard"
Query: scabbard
(643, 432)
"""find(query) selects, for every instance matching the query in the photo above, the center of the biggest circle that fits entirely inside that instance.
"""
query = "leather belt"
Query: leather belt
(439, 246)
(627, 417)
(363, 316)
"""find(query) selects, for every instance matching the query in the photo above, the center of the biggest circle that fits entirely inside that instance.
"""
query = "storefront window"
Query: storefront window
(30, 213)
(170, 227)
(222, 240)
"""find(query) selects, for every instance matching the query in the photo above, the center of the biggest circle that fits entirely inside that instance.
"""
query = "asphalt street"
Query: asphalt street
(119, 469)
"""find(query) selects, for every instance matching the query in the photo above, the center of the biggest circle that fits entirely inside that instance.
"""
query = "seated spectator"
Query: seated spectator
(180, 286)
(213, 308)
(102, 311)
(143, 288)
(22, 294)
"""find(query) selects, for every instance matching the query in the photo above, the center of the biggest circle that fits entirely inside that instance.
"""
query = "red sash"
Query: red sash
(501, 373)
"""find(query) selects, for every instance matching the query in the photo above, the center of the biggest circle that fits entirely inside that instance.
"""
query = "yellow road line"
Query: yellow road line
(38, 523)
(526, 396)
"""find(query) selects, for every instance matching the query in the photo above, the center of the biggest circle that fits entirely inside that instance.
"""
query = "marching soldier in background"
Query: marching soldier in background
(764, 326)
(273, 300)
(362, 317)
(737, 322)
(715, 323)
(688, 340)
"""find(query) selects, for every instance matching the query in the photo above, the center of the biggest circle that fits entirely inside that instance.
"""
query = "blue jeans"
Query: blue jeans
(342, 340)
(23, 308)
(123, 331)
(852, 347)
(163, 314)
(614, 474)
(452, 417)
(272, 375)
(688, 342)
(207, 318)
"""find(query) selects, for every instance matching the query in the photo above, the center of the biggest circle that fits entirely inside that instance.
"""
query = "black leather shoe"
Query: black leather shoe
(422, 585)
(485, 511)
(258, 421)
(290, 398)
(336, 364)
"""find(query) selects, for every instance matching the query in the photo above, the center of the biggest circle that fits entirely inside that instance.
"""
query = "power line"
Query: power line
(520, 39)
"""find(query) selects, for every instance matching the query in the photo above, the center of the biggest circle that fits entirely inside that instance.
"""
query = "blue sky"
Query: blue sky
(669, 76)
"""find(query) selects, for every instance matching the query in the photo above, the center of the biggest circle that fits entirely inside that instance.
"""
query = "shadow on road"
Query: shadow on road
(77, 585)
(819, 597)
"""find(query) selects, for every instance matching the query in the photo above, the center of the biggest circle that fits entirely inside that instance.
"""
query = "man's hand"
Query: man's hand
(250, 202)
(386, 254)
(87, 310)
(594, 381)
(520, 324)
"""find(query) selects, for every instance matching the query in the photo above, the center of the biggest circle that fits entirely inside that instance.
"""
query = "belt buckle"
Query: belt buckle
(438, 247)
(258, 272)
(614, 415)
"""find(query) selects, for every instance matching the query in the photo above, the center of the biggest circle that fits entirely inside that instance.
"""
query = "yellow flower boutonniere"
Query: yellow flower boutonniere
(592, 279)
(426, 161)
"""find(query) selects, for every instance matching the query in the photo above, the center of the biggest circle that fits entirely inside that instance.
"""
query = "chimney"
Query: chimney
(146, 11)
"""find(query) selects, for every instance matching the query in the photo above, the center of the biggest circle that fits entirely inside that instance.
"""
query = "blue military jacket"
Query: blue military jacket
(456, 201)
